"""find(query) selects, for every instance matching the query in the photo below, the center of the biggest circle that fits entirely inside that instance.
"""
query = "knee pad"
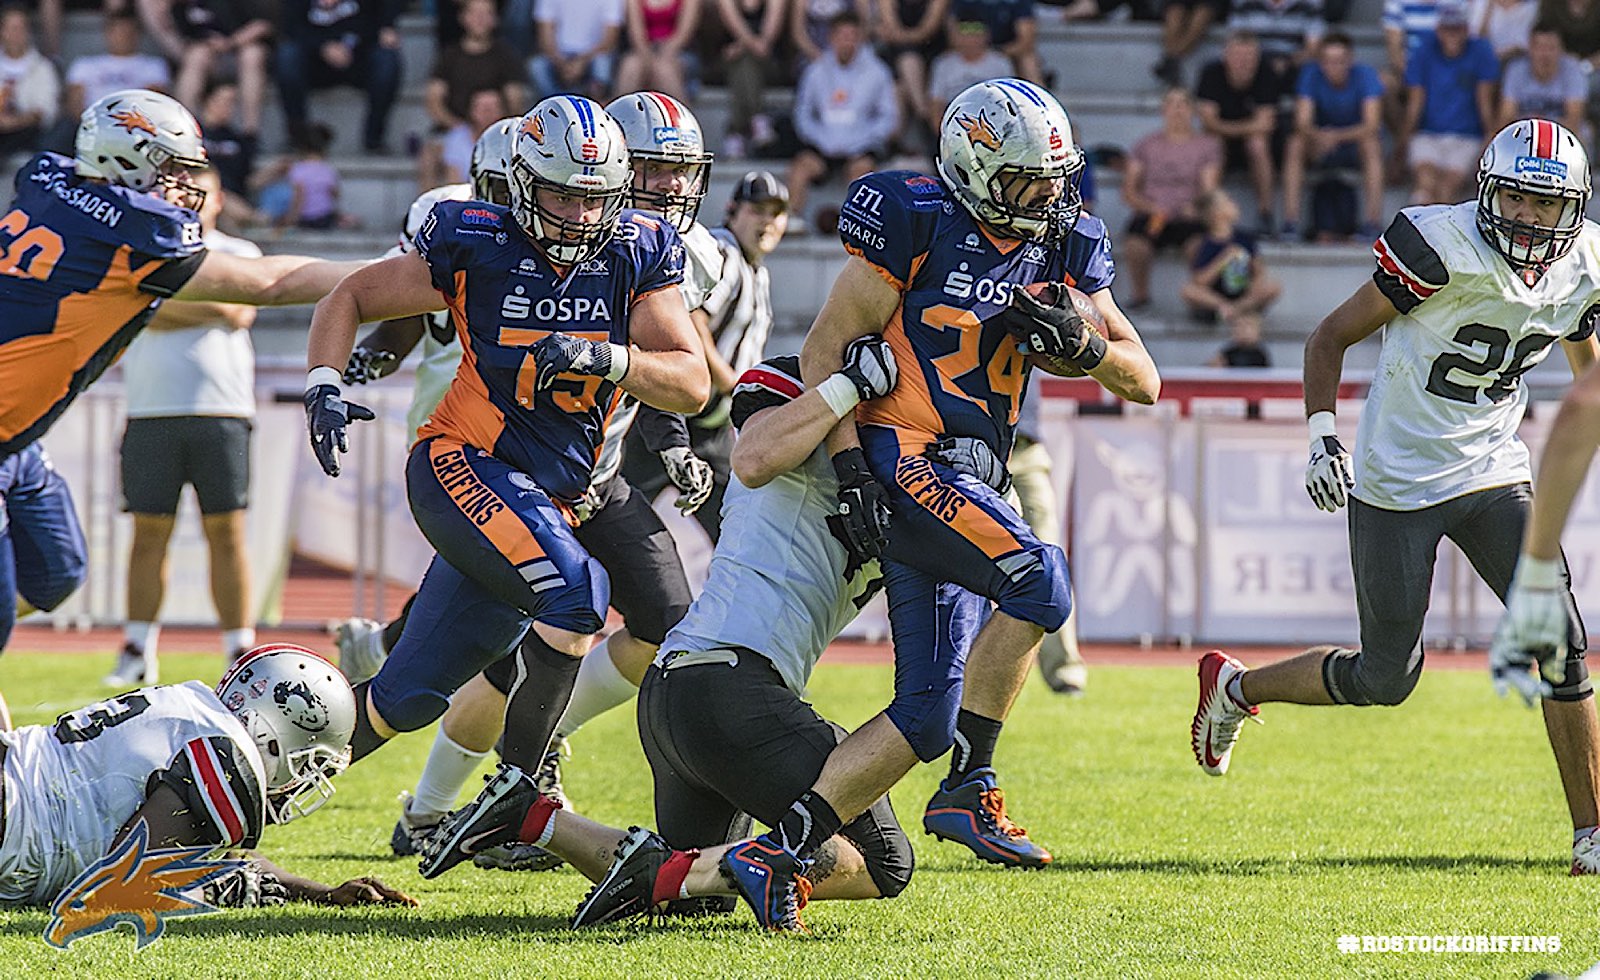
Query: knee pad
(1038, 589)
(927, 718)
(46, 592)
(409, 710)
(891, 864)
(1577, 685)
(1350, 679)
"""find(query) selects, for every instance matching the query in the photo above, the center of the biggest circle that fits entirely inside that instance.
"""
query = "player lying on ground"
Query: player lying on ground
(721, 712)
(1473, 295)
(198, 767)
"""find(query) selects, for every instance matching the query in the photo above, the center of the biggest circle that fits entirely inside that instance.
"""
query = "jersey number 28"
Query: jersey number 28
(1497, 340)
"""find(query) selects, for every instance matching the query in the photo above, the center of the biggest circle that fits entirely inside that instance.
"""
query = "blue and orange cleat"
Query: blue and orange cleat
(974, 813)
(772, 880)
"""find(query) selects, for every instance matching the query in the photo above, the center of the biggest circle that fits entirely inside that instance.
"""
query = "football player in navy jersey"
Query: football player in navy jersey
(938, 266)
(563, 301)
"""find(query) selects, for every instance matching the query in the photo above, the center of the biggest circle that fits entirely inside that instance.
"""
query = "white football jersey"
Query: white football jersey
(1446, 400)
(70, 786)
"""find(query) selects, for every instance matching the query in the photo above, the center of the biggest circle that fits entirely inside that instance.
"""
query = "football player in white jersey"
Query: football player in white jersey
(1473, 295)
(199, 767)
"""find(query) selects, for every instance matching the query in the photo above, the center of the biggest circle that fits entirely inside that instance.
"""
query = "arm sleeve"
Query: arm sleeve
(172, 275)
(661, 256)
(1089, 252)
(1409, 269)
(1585, 327)
(436, 245)
(887, 219)
(215, 780)
(773, 382)
(660, 430)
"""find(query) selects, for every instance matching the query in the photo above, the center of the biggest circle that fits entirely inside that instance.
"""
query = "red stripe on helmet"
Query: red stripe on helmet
(1544, 139)
(669, 108)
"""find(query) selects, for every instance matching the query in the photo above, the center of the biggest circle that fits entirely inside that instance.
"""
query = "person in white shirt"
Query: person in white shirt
(190, 383)
(970, 60)
(577, 46)
(121, 67)
(30, 89)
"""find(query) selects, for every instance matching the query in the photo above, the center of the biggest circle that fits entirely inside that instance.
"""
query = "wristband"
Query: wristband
(323, 375)
(1321, 424)
(840, 393)
(620, 358)
(1543, 574)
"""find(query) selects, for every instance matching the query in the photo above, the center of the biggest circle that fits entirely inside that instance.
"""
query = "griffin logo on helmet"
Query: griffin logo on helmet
(533, 126)
(132, 119)
(979, 131)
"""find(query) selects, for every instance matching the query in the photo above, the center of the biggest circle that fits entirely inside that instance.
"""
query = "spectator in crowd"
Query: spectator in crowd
(1337, 115)
(970, 60)
(232, 153)
(1407, 24)
(211, 39)
(660, 35)
(1578, 23)
(302, 190)
(1244, 348)
(910, 34)
(845, 111)
(1450, 81)
(1546, 84)
(1183, 26)
(1012, 28)
(191, 401)
(754, 28)
(809, 22)
(1505, 24)
(1167, 173)
(122, 66)
(52, 14)
(577, 47)
(1238, 97)
(479, 60)
(449, 161)
(30, 89)
(340, 42)
(1288, 30)
(1226, 277)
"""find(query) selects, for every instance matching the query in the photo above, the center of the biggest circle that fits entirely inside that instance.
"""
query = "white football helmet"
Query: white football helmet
(659, 128)
(997, 137)
(143, 140)
(567, 144)
(301, 713)
(491, 162)
(1541, 159)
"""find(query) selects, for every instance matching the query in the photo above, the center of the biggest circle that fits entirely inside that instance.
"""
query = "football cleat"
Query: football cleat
(1586, 854)
(361, 651)
(495, 817)
(772, 880)
(627, 887)
(411, 833)
(133, 670)
(1217, 718)
(517, 856)
(973, 813)
(547, 778)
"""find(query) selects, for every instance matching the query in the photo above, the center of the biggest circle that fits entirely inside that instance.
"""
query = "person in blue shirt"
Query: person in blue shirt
(1450, 82)
(1337, 113)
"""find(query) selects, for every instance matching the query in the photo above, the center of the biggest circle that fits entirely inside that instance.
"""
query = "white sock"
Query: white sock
(143, 636)
(600, 687)
(448, 769)
(238, 641)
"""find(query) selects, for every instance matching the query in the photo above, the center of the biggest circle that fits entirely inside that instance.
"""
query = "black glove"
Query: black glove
(247, 888)
(369, 364)
(1054, 330)
(326, 416)
(863, 506)
(870, 366)
(562, 353)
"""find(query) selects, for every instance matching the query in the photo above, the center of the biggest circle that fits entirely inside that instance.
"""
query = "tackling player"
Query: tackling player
(1473, 296)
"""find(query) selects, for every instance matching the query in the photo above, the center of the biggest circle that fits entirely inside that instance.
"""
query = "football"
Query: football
(1046, 292)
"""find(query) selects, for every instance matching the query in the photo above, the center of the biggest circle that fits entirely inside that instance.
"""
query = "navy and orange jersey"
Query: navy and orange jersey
(960, 373)
(83, 266)
(504, 296)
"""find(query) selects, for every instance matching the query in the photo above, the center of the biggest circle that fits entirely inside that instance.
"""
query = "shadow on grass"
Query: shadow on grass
(1458, 863)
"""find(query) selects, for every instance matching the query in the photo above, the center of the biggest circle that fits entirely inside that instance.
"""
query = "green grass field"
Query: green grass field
(1441, 817)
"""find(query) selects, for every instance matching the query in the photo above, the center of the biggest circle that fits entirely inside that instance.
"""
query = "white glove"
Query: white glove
(1533, 632)
(691, 475)
(1329, 475)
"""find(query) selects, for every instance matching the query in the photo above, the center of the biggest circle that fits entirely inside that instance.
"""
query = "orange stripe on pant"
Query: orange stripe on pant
(945, 501)
(481, 505)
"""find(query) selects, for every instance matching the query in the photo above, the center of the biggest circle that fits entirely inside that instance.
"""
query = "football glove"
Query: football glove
(870, 366)
(691, 475)
(326, 416)
(1329, 475)
(972, 457)
(1532, 632)
(246, 888)
(1053, 330)
(369, 364)
(863, 506)
(561, 353)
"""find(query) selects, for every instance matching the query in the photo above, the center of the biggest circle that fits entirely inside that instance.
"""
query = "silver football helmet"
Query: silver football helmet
(660, 129)
(143, 140)
(567, 145)
(1541, 159)
(301, 714)
(491, 162)
(998, 137)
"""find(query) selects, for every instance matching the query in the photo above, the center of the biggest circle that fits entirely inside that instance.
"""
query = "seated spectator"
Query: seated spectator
(1226, 277)
(1546, 84)
(1578, 23)
(970, 60)
(660, 34)
(449, 159)
(232, 153)
(1336, 119)
(302, 190)
(324, 43)
(1012, 28)
(809, 22)
(52, 14)
(479, 60)
(1450, 81)
(30, 89)
(1505, 24)
(1238, 98)
(1407, 24)
(122, 66)
(211, 39)
(910, 34)
(577, 47)
(1244, 349)
(1288, 30)
(754, 27)
(844, 113)
(1166, 175)
(1183, 26)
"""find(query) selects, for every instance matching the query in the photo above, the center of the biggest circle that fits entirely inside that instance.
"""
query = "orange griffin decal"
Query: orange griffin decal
(979, 132)
(132, 119)
(534, 126)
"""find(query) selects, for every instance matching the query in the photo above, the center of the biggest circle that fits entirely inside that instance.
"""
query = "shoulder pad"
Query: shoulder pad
(773, 382)
(424, 203)
(1410, 267)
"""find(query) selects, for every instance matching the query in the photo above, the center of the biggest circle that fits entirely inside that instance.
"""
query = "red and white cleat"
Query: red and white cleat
(1217, 718)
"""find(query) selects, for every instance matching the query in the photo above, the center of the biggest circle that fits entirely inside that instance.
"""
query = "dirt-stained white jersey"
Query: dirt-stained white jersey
(71, 785)
(1446, 400)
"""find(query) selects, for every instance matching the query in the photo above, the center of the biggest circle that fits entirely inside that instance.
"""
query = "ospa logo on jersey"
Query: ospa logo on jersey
(518, 305)
(136, 885)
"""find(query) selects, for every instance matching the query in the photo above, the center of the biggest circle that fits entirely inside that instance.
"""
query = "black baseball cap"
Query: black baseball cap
(759, 187)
